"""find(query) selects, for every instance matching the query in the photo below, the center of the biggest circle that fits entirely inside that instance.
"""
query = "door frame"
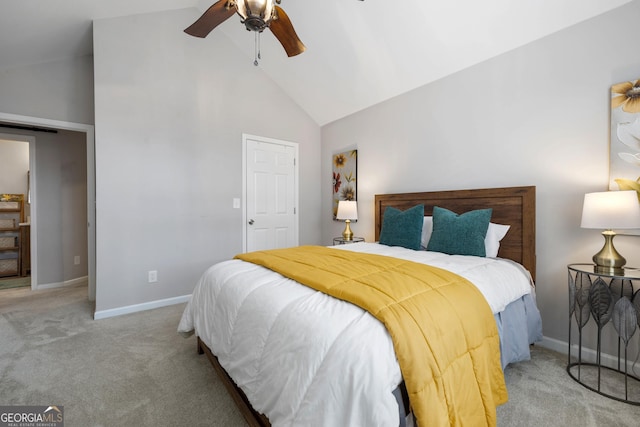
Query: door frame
(296, 192)
(89, 131)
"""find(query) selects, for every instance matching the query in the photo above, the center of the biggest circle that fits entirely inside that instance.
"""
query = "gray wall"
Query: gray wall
(61, 90)
(538, 115)
(61, 179)
(170, 113)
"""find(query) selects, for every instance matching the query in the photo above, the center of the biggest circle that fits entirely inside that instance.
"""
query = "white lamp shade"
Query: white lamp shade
(610, 210)
(347, 209)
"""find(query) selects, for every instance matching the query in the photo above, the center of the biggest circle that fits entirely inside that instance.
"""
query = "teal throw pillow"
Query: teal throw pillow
(463, 234)
(402, 228)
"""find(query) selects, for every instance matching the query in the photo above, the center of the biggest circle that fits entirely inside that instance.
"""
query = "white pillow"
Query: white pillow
(495, 233)
(427, 229)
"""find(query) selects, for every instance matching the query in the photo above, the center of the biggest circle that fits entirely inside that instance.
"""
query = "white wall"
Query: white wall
(170, 113)
(14, 156)
(538, 115)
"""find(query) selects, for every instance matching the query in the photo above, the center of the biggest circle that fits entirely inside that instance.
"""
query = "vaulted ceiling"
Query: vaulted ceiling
(359, 53)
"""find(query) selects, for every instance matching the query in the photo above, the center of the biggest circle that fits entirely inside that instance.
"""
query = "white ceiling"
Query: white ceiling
(359, 53)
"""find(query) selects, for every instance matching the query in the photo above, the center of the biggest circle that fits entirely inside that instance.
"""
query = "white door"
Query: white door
(270, 193)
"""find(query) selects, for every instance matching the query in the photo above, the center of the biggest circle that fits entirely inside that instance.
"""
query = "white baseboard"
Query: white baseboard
(588, 354)
(553, 344)
(104, 314)
(73, 282)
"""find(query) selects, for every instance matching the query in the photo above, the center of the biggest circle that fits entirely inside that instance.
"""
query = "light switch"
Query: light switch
(236, 203)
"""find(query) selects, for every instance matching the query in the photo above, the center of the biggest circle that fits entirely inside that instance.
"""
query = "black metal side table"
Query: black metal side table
(607, 299)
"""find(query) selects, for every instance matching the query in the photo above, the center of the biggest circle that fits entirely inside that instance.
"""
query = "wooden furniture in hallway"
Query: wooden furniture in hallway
(11, 215)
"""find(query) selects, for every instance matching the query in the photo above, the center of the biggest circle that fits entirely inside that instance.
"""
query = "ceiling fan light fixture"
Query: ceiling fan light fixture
(256, 14)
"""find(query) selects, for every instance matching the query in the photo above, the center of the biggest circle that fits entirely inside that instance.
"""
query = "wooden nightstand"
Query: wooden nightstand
(343, 241)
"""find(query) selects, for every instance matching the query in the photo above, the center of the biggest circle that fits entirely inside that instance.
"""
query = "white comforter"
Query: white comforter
(307, 359)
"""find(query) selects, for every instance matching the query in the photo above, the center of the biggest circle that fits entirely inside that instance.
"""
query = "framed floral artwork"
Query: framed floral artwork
(624, 172)
(345, 172)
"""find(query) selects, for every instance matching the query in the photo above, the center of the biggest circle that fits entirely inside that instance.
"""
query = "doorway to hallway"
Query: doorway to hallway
(86, 134)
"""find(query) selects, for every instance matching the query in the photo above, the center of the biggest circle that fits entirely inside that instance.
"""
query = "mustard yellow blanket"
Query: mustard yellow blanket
(443, 331)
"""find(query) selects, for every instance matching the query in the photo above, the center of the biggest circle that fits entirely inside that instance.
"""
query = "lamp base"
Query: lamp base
(611, 271)
(347, 234)
(608, 260)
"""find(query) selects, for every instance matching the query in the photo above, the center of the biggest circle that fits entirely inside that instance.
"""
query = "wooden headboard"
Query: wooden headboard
(514, 206)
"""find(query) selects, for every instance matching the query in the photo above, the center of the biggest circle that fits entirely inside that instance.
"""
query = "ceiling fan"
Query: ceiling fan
(256, 16)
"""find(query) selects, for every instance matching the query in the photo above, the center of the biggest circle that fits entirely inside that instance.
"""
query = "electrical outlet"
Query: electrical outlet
(153, 276)
(76, 260)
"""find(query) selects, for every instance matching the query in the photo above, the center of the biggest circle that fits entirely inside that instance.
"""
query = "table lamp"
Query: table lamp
(610, 210)
(347, 210)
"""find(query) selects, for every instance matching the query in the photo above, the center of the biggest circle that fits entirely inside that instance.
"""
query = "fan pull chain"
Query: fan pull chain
(257, 50)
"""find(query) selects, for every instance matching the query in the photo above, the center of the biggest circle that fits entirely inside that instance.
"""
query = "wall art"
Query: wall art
(624, 171)
(345, 172)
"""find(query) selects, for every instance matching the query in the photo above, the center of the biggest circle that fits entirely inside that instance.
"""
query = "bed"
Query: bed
(359, 391)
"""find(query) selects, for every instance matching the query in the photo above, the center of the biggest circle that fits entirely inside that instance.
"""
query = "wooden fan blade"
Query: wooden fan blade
(286, 35)
(214, 16)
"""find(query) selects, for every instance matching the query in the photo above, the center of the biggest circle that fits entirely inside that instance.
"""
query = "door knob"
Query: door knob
(251, 222)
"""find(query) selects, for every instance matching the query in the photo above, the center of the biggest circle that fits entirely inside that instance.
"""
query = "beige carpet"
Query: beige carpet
(542, 393)
(135, 370)
(132, 370)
